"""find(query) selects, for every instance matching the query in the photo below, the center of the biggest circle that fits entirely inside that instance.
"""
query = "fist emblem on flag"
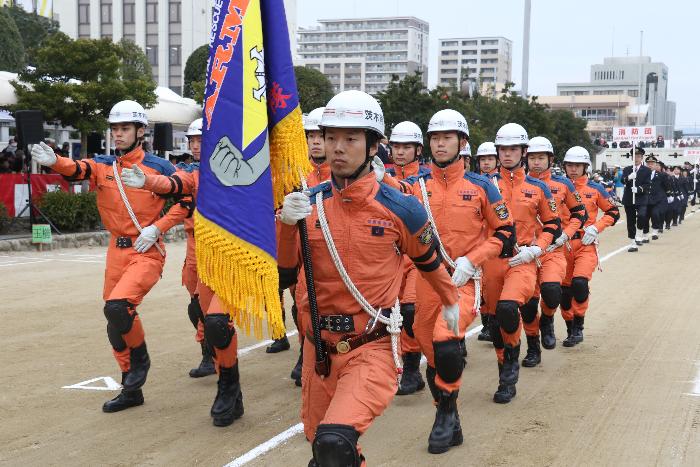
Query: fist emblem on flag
(227, 163)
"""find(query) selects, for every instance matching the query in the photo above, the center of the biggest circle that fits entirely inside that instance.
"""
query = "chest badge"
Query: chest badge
(377, 231)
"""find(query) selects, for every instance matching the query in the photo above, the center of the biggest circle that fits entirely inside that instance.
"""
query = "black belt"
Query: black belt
(124, 242)
(337, 323)
(348, 343)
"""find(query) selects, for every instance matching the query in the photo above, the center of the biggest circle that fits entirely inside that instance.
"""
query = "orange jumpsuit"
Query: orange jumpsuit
(582, 260)
(372, 226)
(553, 270)
(462, 203)
(129, 275)
(508, 287)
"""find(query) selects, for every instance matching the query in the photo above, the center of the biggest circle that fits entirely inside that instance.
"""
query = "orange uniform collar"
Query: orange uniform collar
(132, 157)
(449, 174)
(518, 174)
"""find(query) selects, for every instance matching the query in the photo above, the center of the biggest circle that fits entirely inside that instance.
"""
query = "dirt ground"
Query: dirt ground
(629, 395)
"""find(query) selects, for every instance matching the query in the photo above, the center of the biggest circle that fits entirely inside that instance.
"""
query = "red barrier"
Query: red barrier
(13, 189)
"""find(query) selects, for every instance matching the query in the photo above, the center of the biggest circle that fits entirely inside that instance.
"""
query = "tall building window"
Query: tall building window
(152, 54)
(174, 12)
(151, 12)
(129, 13)
(84, 14)
(175, 55)
(106, 13)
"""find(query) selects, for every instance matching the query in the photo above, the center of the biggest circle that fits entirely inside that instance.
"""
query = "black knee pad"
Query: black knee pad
(507, 315)
(566, 297)
(115, 338)
(579, 289)
(117, 314)
(335, 445)
(449, 360)
(408, 311)
(495, 331)
(529, 310)
(194, 311)
(551, 294)
(217, 331)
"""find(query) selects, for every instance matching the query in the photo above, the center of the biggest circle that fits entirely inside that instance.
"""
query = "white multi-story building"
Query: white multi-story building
(621, 76)
(475, 60)
(167, 30)
(365, 53)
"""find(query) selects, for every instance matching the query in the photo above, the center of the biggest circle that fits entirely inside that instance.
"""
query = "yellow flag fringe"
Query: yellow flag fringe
(289, 155)
(243, 276)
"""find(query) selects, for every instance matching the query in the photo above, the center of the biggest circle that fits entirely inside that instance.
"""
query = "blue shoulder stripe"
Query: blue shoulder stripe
(492, 192)
(324, 188)
(539, 183)
(391, 171)
(104, 159)
(426, 174)
(159, 164)
(565, 181)
(598, 187)
(407, 208)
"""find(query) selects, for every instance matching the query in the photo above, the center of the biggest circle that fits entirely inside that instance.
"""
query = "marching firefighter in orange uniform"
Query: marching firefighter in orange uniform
(371, 225)
(510, 283)
(219, 331)
(583, 257)
(406, 147)
(461, 205)
(135, 256)
(540, 155)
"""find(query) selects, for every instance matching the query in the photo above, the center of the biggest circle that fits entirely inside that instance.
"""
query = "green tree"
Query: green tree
(33, 28)
(196, 71)
(315, 90)
(76, 82)
(12, 53)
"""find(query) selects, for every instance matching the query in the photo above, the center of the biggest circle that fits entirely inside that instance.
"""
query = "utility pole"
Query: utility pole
(526, 48)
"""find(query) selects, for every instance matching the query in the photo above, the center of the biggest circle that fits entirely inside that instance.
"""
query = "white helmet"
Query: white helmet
(406, 132)
(577, 155)
(540, 144)
(313, 119)
(466, 152)
(353, 109)
(511, 134)
(195, 128)
(486, 149)
(128, 112)
(448, 120)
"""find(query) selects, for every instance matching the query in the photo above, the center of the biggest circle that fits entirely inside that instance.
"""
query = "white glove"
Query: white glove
(590, 235)
(669, 199)
(149, 236)
(43, 154)
(632, 176)
(378, 168)
(464, 271)
(450, 314)
(527, 255)
(133, 177)
(296, 206)
(563, 238)
(634, 190)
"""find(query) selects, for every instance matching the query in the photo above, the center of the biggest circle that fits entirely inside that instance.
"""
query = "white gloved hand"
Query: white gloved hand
(563, 238)
(133, 177)
(669, 199)
(632, 176)
(527, 255)
(378, 168)
(463, 272)
(296, 206)
(43, 154)
(634, 189)
(450, 314)
(590, 235)
(149, 236)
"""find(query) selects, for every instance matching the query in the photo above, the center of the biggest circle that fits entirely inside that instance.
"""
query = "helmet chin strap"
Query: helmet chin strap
(442, 165)
(319, 160)
(120, 152)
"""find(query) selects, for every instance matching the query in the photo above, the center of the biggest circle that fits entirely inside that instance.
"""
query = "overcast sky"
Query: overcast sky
(567, 36)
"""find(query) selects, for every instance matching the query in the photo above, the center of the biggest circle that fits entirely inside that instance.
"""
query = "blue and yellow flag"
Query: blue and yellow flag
(253, 152)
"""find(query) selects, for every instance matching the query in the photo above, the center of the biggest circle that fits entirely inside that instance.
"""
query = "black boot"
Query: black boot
(447, 431)
(577, 329)
(228, 405)
(534, 354)
(485, 334)
(549, 340)
(279, 345)
(124, 400)
(139, 364)
(569, 341)
(411, 379)
(206, 366)
(296, 371)
(505, 392)
(511, 368)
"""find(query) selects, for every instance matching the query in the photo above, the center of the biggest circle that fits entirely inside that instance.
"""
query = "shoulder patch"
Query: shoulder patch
(599, 188)
(159, 164)
(484, 182)
(324, 188)
(406, 207)
(104, 159)
(565, 181)
(540, 184)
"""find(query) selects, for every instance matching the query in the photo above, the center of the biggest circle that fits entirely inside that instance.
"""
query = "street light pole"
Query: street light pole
(526, 48)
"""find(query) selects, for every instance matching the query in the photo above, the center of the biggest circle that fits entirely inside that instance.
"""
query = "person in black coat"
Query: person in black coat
(659, 195)
(637, 180)
(672, 207)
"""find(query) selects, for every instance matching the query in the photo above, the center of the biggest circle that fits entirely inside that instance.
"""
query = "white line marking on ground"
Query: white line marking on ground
(245, 350)
(109, 384)
(696, 383)
(24, 262)
(267, 446)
